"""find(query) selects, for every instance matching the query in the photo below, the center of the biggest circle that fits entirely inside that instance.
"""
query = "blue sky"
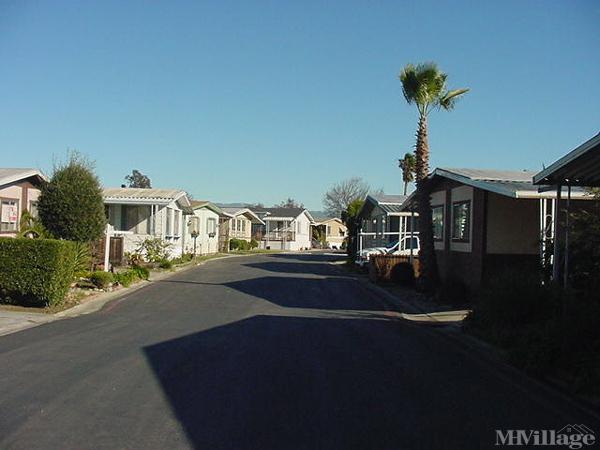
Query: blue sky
(260, 101)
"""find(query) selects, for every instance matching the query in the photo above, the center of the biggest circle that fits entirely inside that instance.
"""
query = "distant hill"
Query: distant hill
(320, 215)
(235, 205)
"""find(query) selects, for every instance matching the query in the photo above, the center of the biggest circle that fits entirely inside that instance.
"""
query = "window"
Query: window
(437, 218)
(33, 209)
(9, 214)
(134, 218)
(194, 225)
(461, 221)
(328, 230)
(211, 225)
(169, 227)
(243, 225)
(176, 223)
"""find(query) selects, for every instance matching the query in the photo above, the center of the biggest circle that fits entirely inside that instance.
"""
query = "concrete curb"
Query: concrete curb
(96, 302)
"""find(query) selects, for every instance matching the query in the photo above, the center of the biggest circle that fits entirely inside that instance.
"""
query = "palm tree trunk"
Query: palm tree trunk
(405, 186)
(428, 271)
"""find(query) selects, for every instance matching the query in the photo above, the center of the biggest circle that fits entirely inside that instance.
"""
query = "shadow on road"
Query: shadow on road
(298, 292)
(292, 267)
(320, 257)
(281, 382)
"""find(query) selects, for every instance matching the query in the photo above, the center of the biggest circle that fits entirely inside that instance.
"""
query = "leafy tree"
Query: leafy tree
(289, 203)
(340, 195)
(425, 86)
(70, 205)
(349, 217)
(138, 180)
(407, 165)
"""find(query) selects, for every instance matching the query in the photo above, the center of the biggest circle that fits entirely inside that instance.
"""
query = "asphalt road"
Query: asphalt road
(262, 352)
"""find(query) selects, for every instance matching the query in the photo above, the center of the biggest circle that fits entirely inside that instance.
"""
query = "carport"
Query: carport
(580, 167)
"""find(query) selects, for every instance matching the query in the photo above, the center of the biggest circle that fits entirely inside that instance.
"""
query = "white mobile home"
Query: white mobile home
(201, 234)
(138, 214)
(286, 228)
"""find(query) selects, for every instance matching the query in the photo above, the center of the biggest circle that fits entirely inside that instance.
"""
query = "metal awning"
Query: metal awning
(580, 167)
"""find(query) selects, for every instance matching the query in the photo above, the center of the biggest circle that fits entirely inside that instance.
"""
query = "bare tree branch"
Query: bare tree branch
(341, 194)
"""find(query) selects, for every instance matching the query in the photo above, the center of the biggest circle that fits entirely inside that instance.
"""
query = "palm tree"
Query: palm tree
(425, 86)
(407, 165)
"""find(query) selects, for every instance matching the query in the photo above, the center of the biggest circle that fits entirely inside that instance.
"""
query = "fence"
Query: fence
(381, 267)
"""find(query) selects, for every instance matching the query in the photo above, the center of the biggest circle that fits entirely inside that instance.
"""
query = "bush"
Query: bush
(134, 259)
(403, 274)
(70, 204)
(83, 259)
(165, 264)
(36, 271)
(141, 272)
(125, 278)
(101, 279)
(253, 244)
(154, 250)
(516, 297)
(544, 330)
(184, 258)
(239, 244)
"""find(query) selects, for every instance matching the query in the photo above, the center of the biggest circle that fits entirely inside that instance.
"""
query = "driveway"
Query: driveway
(261, 352)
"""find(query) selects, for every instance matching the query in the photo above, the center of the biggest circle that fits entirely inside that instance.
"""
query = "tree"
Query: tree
(340, 195)
(289, 203)
(407, 165)
(70, 205)
(425, 86)
(138, 180)
(349, 217)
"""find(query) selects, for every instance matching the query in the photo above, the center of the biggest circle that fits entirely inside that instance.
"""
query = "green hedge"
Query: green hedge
(238, 244)
(36, 271)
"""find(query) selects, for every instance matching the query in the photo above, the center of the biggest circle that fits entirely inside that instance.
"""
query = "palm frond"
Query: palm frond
(410, 83)
(449, 99)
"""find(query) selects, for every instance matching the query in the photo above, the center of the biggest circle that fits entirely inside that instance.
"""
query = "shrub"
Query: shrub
(134, 258)
(253, 244)
(238, 244)
(516, 297)
(403, 274)
(31, 227)
(70, 204)
(141, 272)
(125, 278)
(83, 259)
(36, 271)
(165, 264)
(184, 258)
(101, 279)
(154, 250)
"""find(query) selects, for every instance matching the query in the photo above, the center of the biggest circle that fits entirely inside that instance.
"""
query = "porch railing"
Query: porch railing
(280, 236)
